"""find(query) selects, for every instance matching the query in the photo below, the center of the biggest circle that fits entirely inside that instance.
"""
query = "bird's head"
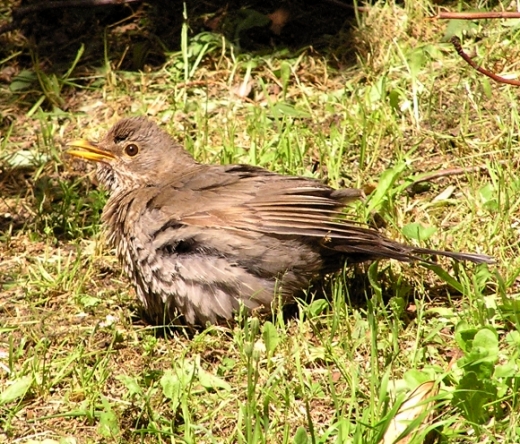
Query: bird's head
(135, 152)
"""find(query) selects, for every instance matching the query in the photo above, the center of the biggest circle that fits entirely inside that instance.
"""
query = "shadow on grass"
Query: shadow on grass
(47, 203)
(138, 35)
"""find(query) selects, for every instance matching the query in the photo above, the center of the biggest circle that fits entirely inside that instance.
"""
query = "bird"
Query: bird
(201, 242)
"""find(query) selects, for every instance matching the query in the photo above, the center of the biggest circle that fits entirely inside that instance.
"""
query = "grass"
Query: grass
(79, 365)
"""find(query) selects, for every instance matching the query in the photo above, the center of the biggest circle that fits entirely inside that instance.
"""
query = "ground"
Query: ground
(378, 101)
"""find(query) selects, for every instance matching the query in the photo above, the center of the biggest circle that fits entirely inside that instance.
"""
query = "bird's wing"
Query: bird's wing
(249, 198)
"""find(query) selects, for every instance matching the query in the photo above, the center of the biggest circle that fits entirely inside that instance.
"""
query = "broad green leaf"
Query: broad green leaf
(418, 232)
(385, 184)
(16, 390)
(301, 436)
(212, 382)
(108, 426)
(377, 91)
(433, 51)
(458, 28)
(281, 109)
(131, 384)
(414, 377)
(488, 196)
(416, 60)
(108, 422)
(171, 385)
(513, 339)
(479, 345)
(485, 346)
(474, 397)
(270, 337)
(507, 370)
(464, 335)
(394, 98)
(89, 301)
(317, 307)
(480, 348)
(23, 81)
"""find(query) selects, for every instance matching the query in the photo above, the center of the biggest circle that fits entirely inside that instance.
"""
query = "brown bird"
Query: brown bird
(199, 241)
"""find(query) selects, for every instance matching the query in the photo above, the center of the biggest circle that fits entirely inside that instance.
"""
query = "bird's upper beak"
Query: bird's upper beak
(90, 151)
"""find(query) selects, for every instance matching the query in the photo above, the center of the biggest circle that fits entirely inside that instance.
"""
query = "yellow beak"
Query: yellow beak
(90, 151)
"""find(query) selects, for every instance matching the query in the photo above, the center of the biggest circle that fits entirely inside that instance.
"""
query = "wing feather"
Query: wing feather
(251, 199)
(280, 208)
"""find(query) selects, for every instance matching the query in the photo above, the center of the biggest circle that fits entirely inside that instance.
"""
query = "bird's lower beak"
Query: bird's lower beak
(89, 151)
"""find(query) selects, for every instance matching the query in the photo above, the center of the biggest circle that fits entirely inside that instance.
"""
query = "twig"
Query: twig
(458, 47)
(448, 15)
(454, 172)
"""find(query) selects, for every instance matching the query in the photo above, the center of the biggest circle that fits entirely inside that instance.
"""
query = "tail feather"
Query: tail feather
(375, 247)
(472, 257)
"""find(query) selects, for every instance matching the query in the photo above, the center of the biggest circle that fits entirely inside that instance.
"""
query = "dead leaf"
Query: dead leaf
(445, 194)
(411, 409)
(242, 89)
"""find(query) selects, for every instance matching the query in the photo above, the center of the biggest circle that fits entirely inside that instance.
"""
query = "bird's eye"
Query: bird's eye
(131, 149)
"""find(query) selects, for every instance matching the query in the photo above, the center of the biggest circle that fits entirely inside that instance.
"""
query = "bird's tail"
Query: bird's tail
(472, 257)
(375, 246)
